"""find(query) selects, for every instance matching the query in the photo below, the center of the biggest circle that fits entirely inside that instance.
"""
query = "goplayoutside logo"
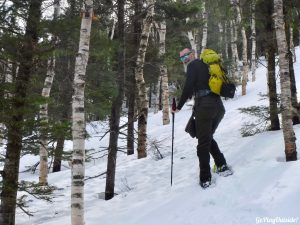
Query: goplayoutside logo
(277, 220)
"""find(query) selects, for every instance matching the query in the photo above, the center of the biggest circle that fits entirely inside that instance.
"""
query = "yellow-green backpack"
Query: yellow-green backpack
(217, 74)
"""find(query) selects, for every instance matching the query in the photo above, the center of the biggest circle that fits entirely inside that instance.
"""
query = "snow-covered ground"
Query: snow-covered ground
(264, 188)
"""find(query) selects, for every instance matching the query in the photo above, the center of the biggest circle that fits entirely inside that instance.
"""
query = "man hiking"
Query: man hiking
(209, 111)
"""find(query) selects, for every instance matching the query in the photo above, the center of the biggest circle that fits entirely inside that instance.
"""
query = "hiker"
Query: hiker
(209, 111)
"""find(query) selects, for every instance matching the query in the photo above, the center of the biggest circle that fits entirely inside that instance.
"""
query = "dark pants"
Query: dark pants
(209, 113)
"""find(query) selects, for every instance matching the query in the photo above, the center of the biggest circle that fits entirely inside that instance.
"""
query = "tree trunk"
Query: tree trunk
(273, 101)
(291, 43)
(236, 3)
(269, 45)
(58, 154)
(65, 79)
(226, 39)
(131, 115)
(78, 115)
(205, 27)
(163, 72)
(287, 124)
(234, 51)
(141, 85)
(158, 92)
(221, 42)
(165, 94)
(116, 109)
(295, 114)
(149, 91)
(192, 41)
(43, 179)
(131, 84)
(12, 159)
(253, 40)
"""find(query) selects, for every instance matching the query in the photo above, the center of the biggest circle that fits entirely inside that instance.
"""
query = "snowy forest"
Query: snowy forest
(86, 90)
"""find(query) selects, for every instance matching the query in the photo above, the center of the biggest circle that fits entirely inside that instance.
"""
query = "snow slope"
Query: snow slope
(263, 189)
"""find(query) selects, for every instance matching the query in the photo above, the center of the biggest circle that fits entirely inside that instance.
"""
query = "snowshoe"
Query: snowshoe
(208, 183)
(223, 171)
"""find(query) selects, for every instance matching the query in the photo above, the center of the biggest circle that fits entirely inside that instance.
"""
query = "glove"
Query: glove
(175, 111)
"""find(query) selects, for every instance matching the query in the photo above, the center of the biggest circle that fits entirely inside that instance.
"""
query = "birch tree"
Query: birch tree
(78, 116)
(287, 124)
(140, 82)
(234, 50)
(253, 40)
(226, 39)
(205, 27)
(162, 28)
(292, 45)
(43, 179)
(294, 100)
(236, 5)
(191, 36)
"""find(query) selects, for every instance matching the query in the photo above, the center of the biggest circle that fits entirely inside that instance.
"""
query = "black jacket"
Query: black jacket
(197, 77)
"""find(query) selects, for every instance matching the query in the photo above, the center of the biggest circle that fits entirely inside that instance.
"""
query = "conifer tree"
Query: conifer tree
(116, 108)
(10, 172)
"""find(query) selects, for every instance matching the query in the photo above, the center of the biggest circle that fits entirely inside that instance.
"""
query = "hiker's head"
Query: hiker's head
(186, 55)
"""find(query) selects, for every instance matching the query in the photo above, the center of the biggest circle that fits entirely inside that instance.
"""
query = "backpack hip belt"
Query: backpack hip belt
(202, 93)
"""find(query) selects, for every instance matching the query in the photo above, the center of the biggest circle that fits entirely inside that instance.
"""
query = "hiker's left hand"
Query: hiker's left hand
(175, 111)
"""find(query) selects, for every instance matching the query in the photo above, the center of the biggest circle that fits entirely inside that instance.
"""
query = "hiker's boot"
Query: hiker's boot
(205, 183)
(223, 170)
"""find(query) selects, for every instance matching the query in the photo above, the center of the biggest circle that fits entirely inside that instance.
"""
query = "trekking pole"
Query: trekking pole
(173, 119)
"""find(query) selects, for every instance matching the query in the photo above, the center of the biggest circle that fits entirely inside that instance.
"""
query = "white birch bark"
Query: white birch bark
(253, 40)
(235, 55)
(140, 82)
(78, 117)
(113, 27)
(162, 28)
(226, 40)
(43, 178)
(285, 96)
(236, 4)
(221, 30)
(192, 41)
(205, 27)
(292, 45)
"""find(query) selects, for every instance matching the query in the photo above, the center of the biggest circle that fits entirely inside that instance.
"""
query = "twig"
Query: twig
(99, 175)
